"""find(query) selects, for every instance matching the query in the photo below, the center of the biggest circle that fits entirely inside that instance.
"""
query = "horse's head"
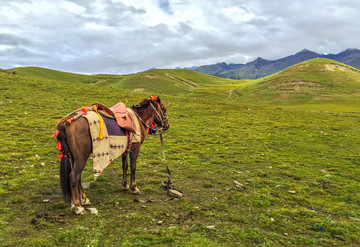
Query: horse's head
(161, 119)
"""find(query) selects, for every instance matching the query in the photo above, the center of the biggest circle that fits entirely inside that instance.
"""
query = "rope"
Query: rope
(147, 126)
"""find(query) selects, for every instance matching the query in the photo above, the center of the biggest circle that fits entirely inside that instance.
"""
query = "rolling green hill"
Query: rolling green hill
(313, 82)
(318, 83)
(51, 74)
(170, 81)
(166, 81)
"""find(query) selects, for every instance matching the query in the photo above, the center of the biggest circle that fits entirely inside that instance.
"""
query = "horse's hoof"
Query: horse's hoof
(136, 191)
(86, 202)
(80, 211)
(126, 188)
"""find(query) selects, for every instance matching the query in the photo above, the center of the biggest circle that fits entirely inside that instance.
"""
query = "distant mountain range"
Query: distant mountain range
(261, 67)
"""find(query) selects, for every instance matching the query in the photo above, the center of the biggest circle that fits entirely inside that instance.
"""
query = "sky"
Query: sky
(128, 36)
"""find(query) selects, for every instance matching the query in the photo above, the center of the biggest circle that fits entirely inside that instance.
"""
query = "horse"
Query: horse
(76, 147)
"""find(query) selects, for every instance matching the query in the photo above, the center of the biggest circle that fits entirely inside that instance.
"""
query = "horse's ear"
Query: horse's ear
(158, 99)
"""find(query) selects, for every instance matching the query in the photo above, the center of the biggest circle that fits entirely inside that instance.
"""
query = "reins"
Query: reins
(168, 185)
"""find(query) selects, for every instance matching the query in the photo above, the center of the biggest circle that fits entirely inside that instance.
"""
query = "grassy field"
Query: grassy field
(252, 175)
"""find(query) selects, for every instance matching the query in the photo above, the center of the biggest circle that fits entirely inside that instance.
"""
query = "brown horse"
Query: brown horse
(76, 147)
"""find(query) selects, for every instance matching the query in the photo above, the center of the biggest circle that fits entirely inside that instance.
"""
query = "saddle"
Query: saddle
(120, 113)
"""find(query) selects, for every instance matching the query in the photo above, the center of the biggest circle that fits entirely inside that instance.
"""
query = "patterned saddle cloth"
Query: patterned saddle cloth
(114, 141)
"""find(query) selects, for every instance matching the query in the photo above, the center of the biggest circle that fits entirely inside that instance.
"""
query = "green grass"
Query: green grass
(271, 150)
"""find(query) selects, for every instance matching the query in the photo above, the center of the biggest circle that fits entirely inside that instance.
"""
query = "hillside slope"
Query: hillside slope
(165, 81)
(317, 81)
(51, 74)
(55, 75)
(170, 81)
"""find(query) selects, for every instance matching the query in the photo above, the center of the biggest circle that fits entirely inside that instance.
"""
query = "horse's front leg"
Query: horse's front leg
(135, 150)
(125, 168)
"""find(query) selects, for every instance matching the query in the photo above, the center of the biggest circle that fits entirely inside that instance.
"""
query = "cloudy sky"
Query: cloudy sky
(127, 36)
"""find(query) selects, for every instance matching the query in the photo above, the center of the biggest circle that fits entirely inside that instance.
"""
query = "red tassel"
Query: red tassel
(130, 143)
(58, 145)
(56, 133)
(153, 97)
(61, 156)
(152, 129)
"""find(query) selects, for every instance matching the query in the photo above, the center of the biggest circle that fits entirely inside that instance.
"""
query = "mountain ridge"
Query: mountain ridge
(261, 67)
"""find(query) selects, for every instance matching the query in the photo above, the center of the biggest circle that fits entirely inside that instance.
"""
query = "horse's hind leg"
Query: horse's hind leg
(75, 192)
(79, 141)
(84, 201)
(125, 168)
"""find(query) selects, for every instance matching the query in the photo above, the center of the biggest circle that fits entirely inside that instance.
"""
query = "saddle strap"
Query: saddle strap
(104, 108)
(101, 122)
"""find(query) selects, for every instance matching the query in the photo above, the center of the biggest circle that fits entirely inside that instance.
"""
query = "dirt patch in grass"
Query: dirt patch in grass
(22, 234)
(191, 84)
(336, 67)
(297, 87)
(150, 76)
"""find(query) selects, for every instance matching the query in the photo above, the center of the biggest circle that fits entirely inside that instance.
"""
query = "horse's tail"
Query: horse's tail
(65, 165)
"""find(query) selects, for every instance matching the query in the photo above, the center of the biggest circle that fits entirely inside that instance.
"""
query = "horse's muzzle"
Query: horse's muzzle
(166, 126)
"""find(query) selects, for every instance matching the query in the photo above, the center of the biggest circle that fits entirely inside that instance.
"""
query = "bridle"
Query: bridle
(158, 115)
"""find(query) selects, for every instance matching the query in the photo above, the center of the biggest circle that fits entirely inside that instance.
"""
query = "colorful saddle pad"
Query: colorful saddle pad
(113, 144)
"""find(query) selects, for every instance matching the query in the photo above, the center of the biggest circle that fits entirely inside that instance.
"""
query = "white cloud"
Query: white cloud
(125, 36)
(74, 8)
(238, 15)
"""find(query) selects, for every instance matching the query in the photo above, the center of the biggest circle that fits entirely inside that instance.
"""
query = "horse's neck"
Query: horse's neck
(147, 115)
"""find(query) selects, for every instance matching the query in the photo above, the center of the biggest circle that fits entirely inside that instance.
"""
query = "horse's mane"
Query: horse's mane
(143, 104)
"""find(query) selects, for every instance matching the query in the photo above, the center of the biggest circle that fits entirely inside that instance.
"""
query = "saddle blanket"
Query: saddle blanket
(113, 144)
